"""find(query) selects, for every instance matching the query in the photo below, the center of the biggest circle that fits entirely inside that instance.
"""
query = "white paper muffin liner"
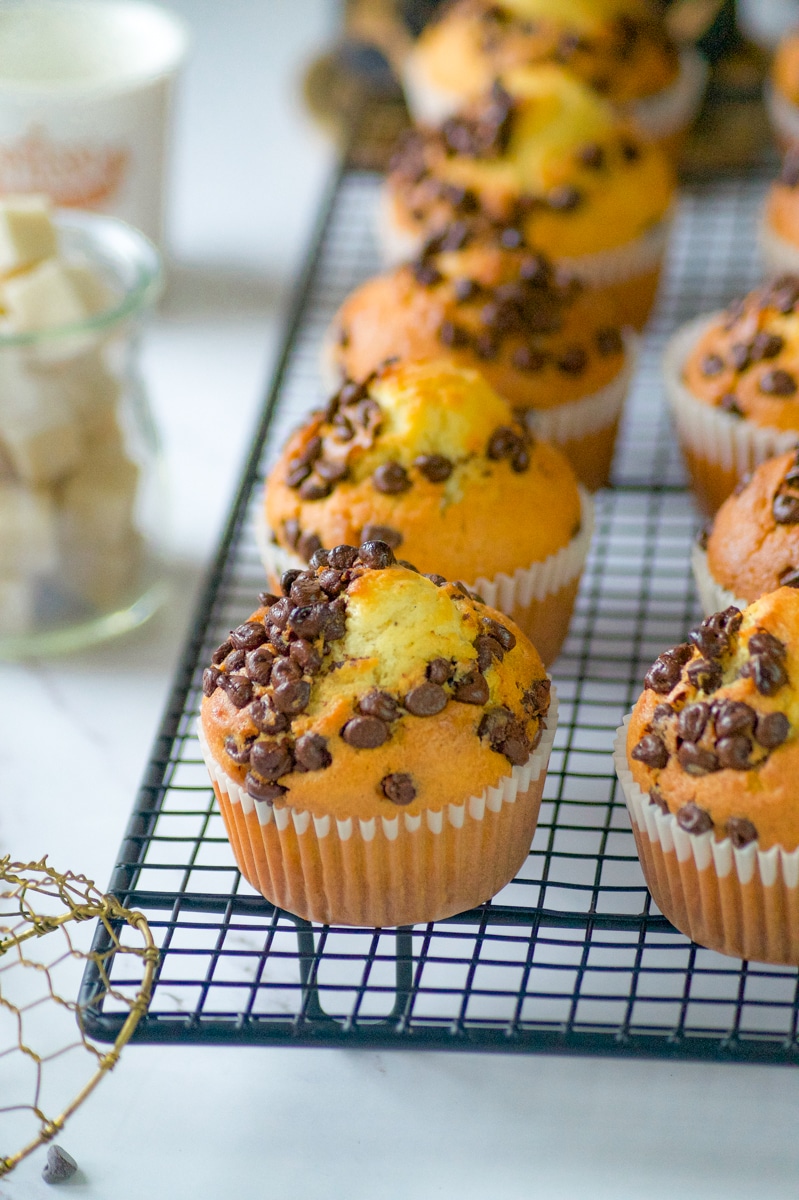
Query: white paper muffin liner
(714, 598)
(780, 257)
(710, 432)
(783, 114)
(743, 902)
(343, 871)
(503, 591)
(658, 116)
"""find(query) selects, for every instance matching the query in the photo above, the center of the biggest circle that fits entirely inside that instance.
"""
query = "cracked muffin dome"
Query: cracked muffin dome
(733, 383)
(752, 546)
(618, 48)
(427, 457)
(366, 691)
(549, 345)
(543, 156)
(708, 764)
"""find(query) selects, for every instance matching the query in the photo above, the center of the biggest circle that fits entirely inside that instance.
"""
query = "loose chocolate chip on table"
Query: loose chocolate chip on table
(342, 557)
(651, 751)
(390, 478)
(238, 688)
(772, 729)
(311, 752)
(435, 467)
(292, 697)
(259, 665)
(741, 832)
(426, 699)
(785, 507)
(270, 760)
(711, 364)
(777, 382)
(704, 674)
(60, 1166)
(439, 670)
(398, 787)
(249, 635)
(211, 679)
(379, 704)
(694, 819)
(365, 733)
(375, 551)
(262, 789)
(472, 689)
(734, 751)
(692, 721)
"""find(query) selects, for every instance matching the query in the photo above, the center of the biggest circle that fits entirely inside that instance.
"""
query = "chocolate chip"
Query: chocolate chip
(365, 733)
(351, 392)
(592, 156)
(291, 532)
(526, 358)
(379, 704)
(239, 753)
(331, 582)
(502, 442)
(763, 642)
(267, 599)
(767, 673)
(261, 789)
(739, 356)
(630, 152)
(520, 459)
(488, 649)
(341, 558)
(297, 473)
(220, 654)
(311, 752)
(426, 699)
(536, 698)
(390, 478)
(772, 729)
(729, 404)
(710, 638)
(472, 689)
(308, 544)
(264, 717)
(733, 752)
(331, 472)
(694, 819)
(305, 590)
(766, 345)
(292, 696)
(609, 341)
(285, 670)
(249, 635)
(785, 508)
(657, 797)
(651, 751)
(777, 382)
(270, 760)
(789, 577)
(731, 717)
(211, 679)
(287, 579)
(494, 629)
(516, 748)
(486, 347)
(314, 488)
(238, 689)
(704, 675)
(438, 580)
(336, 625)
(376, 549)
(309, 620)
(398, 787)
(465, 289)
(692, 721)
(426, 273)
(59, 1166)
(259, 665)
(439, 670)
(435, 467)
(306, 656)
(664, 712)
(573, 361)
(741, 832)
(454, 237)
(711, 364)
(564, 198)
(278, 614)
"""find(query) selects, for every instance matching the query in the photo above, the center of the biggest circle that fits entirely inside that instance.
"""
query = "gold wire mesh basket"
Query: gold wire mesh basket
(46, 923)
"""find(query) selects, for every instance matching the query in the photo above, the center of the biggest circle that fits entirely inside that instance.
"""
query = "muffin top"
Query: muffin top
(540, 153)
(617, 47)
(713, 738)
(747, 361)
(753, 544)
(427, 457)
(368, 687)
(785, 67)
(535, 333)
(782, 202)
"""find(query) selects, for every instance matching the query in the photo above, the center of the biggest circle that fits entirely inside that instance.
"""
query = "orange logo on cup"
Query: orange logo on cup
(71, 174)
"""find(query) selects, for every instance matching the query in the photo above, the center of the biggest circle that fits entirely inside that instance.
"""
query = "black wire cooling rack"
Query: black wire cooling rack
(572, 956)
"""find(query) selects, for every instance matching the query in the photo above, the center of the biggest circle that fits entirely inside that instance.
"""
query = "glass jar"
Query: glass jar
(82, 509)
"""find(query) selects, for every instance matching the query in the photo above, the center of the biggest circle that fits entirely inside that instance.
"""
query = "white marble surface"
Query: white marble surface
(183, 1123)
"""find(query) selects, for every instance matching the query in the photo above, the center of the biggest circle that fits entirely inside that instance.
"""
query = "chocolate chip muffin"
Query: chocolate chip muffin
(752, 546)
(621, 50)
(779, 230)
(377, 741)
(542, 339)
(733, 384)
(429, 458)
(708, 761)
(541, 158)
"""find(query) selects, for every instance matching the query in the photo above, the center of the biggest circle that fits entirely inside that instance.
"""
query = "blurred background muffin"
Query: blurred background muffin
(779, 231)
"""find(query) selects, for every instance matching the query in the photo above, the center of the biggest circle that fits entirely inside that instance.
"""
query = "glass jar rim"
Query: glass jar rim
(122, 245)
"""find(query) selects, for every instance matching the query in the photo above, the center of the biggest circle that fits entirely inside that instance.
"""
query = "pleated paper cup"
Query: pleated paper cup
(713, 596)
(783, 115)
(739, 902)
(403, 870)
(780, 257)
(625, 278)
(539, 598)
(718, 448)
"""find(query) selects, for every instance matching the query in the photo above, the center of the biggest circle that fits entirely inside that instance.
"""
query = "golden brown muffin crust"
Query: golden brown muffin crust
(545, 159)
(623, 52)
(747, 362)
(785, 68)
(753, 546)
(536, 334)
(428, 457)
(370, 688)
(713, 738)
(782, 202)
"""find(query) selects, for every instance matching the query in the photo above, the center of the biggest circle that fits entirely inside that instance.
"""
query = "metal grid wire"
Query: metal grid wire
(572, 955)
